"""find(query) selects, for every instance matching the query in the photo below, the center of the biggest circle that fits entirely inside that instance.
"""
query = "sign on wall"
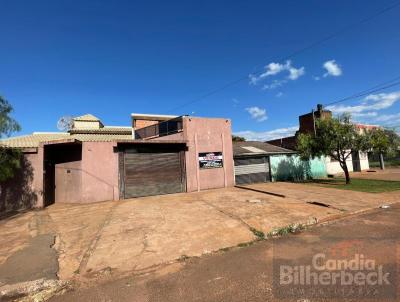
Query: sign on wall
(210, 160)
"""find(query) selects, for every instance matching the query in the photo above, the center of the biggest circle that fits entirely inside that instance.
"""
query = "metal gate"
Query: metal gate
(251, 170)
(146, 174)
(355, 157)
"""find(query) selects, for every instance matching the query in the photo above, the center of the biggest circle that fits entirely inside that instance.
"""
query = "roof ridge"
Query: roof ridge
(87, 117)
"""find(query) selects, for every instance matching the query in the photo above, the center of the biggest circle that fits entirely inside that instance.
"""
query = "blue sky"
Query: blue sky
(111, 58)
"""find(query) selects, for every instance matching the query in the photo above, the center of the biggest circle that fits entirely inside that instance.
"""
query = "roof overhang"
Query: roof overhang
(263, 154)
(152, 117)
(61, 141)
(151, 142)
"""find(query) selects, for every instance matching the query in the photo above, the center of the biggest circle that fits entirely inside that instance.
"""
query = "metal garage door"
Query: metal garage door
(251, 170)
(148, 174)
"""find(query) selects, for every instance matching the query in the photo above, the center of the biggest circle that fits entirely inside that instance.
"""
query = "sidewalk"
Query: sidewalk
(135, 235)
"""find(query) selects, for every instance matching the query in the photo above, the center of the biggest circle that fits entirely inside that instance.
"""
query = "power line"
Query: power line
(373, 89)
(293, 54)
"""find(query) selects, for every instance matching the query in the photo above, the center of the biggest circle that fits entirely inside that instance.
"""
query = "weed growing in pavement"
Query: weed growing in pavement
(244, 244)
(183, 258)
(259, 234)
(290, 229)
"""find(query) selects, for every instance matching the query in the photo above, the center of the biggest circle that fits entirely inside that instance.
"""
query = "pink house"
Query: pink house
(157, 154)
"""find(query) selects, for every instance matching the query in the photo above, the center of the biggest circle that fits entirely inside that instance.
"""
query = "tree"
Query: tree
(335, 137)
(384, 142)
(9, 158)
(236, 138)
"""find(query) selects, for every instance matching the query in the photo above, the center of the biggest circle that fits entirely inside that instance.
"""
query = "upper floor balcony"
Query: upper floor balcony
(160, 128)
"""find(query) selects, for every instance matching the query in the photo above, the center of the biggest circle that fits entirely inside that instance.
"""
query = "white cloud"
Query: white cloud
(332, 69)
(273, 69)
(274, 84)
(365, 114)
(388, 119)
(267, 135)
(295, 73)
(317, 78)
(279, 94)
(373, 102)
(257, 113)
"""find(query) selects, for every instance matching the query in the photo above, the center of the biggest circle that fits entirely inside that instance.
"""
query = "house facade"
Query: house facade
(357, 161)
(262, 162)
(92, 162)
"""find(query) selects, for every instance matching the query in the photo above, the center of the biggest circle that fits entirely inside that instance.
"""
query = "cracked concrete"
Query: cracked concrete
(137, 234)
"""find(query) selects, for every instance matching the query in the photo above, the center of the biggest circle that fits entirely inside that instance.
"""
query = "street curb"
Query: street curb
(338, 217)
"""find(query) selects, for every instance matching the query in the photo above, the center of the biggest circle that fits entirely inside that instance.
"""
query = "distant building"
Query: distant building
(358, 161)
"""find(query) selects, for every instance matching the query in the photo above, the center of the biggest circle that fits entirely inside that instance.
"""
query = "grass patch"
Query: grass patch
(259, 234)
(290, 229)
(357, 184)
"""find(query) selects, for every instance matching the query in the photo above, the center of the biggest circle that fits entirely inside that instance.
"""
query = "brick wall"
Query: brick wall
(143, 123)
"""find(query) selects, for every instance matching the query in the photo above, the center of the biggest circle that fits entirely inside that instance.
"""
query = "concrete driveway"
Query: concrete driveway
(138, 234)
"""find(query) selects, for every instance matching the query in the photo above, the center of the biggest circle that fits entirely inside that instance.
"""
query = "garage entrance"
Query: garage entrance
(154, 169)
(252, 169)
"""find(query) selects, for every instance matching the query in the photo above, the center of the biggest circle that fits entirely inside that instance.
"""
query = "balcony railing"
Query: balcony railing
(161, 129)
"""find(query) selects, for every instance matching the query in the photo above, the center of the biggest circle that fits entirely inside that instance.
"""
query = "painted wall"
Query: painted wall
(291, 167)
(173, 137)
(86, 125)
(36, 162)
(364, 162)
(99, 172)
(208, 135)
(333, 166)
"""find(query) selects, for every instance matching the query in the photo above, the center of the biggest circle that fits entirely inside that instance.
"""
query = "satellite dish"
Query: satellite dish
(65, 123)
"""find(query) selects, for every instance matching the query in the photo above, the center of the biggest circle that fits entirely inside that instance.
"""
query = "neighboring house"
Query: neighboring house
(262, 162)
(91, 162)
(358, 161)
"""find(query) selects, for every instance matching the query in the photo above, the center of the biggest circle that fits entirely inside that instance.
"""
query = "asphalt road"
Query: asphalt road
(361, 248)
